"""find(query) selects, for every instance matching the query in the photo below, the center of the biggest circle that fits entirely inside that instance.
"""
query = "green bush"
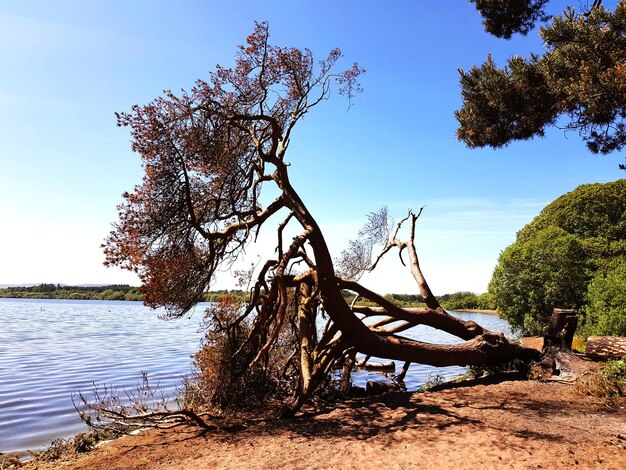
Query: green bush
(537, 275)
(459, 301)
(486, 301)
(605, 312)
(555, 257)
(133, 294)
(110, 294)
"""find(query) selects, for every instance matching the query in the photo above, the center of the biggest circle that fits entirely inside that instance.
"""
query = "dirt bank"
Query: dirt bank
(505, 425)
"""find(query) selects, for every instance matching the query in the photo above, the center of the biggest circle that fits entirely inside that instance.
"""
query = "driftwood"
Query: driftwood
(569, 365)
(388, 366)
(606, 347)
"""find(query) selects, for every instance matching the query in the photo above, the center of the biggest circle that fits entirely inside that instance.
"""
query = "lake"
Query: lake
(51, 349)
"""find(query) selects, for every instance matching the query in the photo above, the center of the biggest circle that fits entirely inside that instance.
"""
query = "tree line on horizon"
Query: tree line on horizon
(62, 291)
(460, 300)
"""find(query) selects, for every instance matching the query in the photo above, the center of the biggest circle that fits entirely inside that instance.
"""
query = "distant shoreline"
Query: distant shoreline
(121, 292)
(475, 310)
(18, 296)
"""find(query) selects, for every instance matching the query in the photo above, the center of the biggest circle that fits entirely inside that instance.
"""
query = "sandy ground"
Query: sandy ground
(512, 424)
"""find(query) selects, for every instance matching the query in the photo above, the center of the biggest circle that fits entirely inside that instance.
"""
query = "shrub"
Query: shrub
(610, 382)
(224, 377)
(605, 311)
(460, 300)
(537, 275)
(486, 301)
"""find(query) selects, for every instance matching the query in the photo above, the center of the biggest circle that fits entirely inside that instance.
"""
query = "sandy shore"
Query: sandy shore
(512, 424)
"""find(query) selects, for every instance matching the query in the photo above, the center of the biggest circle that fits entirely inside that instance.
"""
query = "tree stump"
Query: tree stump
(606, 347)
(561, 329)
(558, 357)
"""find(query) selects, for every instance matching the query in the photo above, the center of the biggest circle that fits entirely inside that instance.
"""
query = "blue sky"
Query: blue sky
(69, 65)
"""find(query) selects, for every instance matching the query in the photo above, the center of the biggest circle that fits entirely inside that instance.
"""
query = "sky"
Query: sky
(68, 66)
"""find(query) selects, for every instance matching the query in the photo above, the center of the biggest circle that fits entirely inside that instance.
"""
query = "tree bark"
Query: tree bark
(307, 342)
(606, 347)
(425, 316)
(346, 373)
(561, 329)
(558, 358)
(488, 348)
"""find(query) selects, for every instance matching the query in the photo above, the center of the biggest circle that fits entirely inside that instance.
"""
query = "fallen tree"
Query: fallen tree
(207, 154)
(606, 347)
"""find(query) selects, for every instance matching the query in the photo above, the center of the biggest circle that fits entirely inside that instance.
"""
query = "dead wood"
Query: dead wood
(606, 347)
(388, 366)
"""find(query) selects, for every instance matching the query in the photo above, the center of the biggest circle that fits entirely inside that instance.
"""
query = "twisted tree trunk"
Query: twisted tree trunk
(481, 346)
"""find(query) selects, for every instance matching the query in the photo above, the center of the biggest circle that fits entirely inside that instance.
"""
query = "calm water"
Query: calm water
(50, 349)
(419, 374)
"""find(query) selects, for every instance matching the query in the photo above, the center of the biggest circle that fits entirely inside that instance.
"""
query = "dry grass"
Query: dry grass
(608, 382)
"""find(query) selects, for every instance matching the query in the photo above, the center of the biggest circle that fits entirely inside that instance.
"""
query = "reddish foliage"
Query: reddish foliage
(205, 154)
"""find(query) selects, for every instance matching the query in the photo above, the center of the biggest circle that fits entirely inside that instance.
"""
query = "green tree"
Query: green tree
(606, 308)
(534, 276)
(591, 211)
(573, 239)
(503, 18)
(486, 301)
(580, 76)
(461, 300)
